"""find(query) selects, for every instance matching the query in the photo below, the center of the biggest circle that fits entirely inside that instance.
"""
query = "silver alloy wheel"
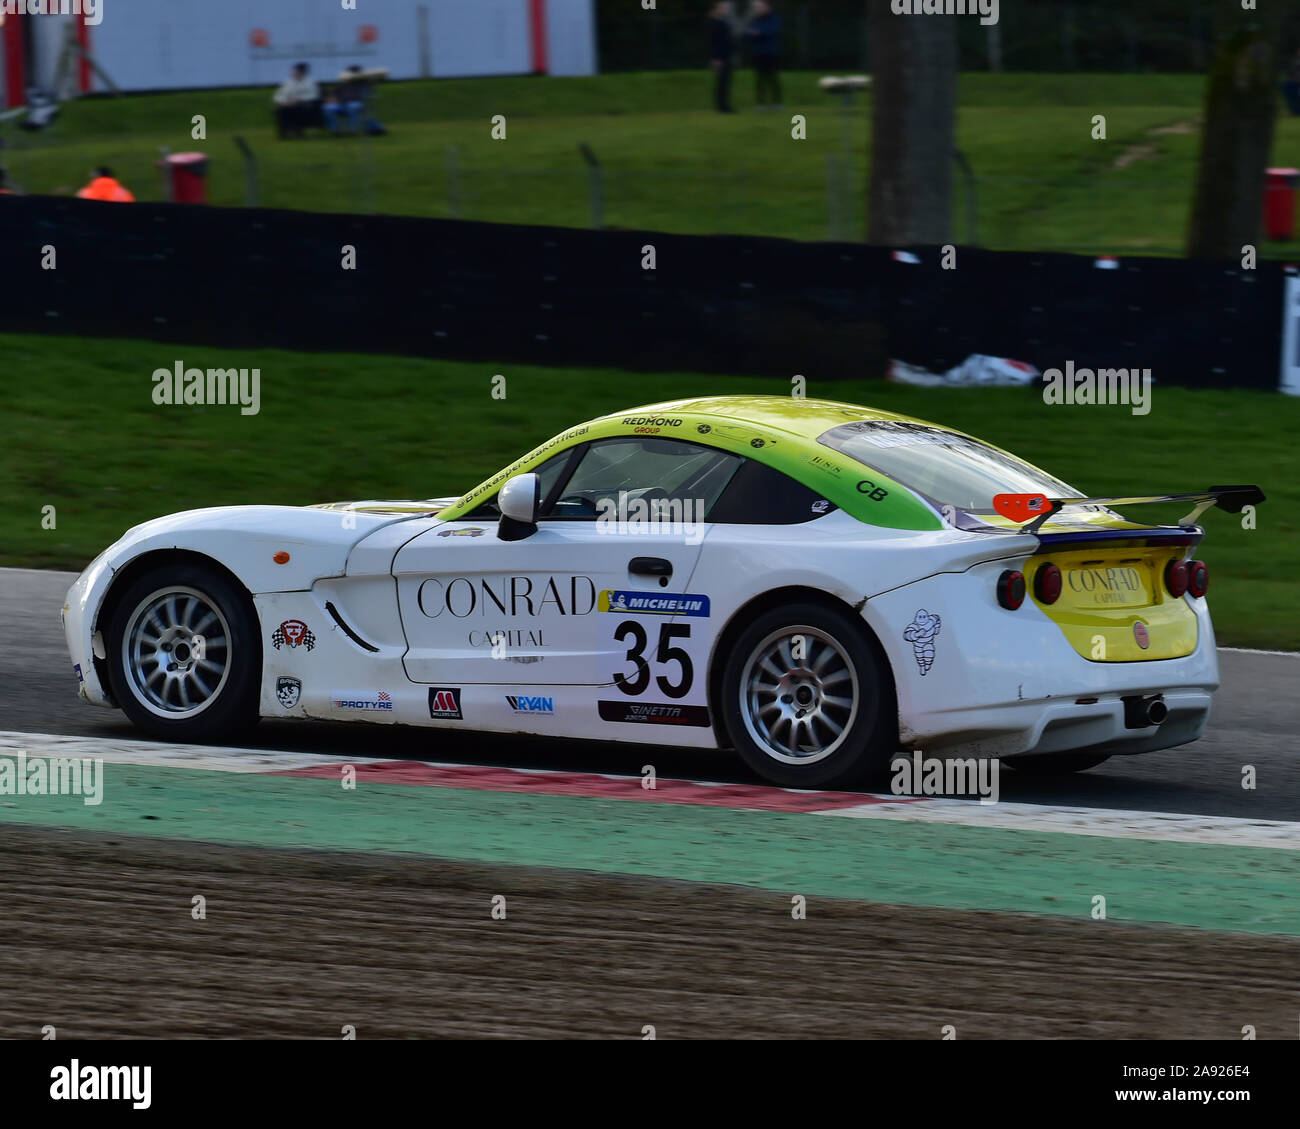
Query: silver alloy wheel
(176, 652)
(799, 710)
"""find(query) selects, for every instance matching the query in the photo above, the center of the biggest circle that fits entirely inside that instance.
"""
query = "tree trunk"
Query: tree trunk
(914, 64)
(1237, 138)
(993, 35)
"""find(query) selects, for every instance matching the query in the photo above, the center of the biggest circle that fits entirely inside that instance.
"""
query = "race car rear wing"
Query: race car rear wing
(1035, 509)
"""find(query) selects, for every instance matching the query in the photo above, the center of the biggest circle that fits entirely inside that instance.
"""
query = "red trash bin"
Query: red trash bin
(187, 177)
(1279, 203)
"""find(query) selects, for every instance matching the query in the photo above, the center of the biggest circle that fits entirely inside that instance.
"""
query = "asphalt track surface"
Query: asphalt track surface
(299, 943)
(1256, 722)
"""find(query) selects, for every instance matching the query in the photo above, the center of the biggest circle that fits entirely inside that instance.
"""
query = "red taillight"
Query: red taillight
(1177, 577)
(1047, 584)
(1198, 578)
(1011, 589)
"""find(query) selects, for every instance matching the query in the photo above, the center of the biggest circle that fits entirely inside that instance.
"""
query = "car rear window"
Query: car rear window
(944, 467)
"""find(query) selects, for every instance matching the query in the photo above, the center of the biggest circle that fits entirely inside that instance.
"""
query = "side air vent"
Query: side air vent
(334, 612)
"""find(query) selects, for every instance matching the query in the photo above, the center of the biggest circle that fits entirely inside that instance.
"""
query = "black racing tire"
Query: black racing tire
(1055, 764)
(184, 654)
(788, 720)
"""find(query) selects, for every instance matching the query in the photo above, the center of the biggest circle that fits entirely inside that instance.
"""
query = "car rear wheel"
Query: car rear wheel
(1055, 764)
(806, 698)
(183, 654)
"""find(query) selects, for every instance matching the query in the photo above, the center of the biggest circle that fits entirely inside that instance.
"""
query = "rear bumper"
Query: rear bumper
(1057, 727)
(1004, 683)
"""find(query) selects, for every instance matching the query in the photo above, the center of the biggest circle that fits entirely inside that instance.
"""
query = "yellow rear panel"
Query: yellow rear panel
(1106, 591)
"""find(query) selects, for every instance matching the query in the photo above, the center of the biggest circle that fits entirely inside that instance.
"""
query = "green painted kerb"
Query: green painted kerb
(1241, 889)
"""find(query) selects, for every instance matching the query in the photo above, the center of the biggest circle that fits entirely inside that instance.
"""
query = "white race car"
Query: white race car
(815, 584)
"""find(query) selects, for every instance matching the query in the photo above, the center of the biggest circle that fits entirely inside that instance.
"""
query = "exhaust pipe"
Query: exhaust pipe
(1142, 713)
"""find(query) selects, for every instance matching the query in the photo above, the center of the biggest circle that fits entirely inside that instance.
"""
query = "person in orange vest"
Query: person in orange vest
(104, 186)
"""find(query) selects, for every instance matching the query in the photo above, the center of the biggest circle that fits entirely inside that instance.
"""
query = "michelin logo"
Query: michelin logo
(655, 603)
(921, 633)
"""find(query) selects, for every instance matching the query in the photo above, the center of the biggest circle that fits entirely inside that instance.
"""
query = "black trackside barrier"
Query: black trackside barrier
(246, 278)
(1194, 324)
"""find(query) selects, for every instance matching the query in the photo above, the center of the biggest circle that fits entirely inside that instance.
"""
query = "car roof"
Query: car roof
(804, 418)
(779, 431)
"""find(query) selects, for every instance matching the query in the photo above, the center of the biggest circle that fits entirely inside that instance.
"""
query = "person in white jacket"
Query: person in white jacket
(297, 102)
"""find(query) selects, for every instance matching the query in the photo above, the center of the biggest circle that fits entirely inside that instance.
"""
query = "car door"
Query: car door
(591, 597)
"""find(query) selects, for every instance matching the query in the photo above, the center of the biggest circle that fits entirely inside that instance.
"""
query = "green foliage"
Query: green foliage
(672, 165)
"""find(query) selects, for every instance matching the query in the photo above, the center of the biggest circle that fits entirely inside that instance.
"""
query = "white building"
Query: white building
(179, 44)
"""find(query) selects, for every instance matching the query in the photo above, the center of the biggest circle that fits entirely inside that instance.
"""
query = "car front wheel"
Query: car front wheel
(807, 700)
(183, 654)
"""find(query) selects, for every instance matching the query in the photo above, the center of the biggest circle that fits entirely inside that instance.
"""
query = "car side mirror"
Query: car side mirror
(519, 502)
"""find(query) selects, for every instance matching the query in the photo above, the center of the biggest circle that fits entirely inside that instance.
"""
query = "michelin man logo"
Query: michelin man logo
(921, 633)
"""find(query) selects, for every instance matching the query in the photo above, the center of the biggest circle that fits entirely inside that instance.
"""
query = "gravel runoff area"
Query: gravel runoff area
(101, 941)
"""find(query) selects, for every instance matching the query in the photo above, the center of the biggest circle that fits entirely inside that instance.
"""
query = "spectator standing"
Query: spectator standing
(722, 54)
(297, 102)
(764, 35)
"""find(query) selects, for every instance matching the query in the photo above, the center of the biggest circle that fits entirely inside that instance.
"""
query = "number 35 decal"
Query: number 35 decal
(633, 634)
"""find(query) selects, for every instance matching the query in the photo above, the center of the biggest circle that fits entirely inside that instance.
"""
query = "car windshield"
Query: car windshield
(947, 468)
(656, 469)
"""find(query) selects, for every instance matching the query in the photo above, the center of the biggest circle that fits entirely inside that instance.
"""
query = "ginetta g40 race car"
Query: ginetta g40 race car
(815, 584)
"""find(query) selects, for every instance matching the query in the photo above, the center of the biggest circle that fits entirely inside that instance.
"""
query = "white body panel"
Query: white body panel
(1007, 682)
(242, 538)
(461, 590)
(397, 649)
